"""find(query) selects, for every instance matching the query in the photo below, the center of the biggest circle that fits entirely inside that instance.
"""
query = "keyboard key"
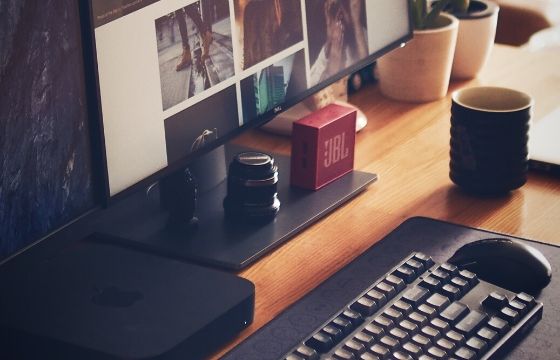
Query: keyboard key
(368, 356)
(446, 345)
(405, 273)
(519, 307)
(320, 342)
(430, 283)
(425, 357)
(526, 299)
(499, 325)
(399, 334)
(438, 301)
(471, 278)
(414, 350)
(427, 311)
(455, 337)
(424, 259)
(454, 312)
(464, 353)
(471, 323)
(415, 265)
(365, 306)
(391, 313)
(343, 324)
(381, 351)
(354, 347)
(440, 325)
(409, 326)
(452, 292)
(449, 268)
(335, 333)
(400, 355)
(415, 296)
(386, 289)
(379, 298)
(343, 354)
(495, 301)
(418, 318)
(307, 353)
(431, 333)
(488, 335)
(353, 316)
(294, 357)
(403, 307)
(441, 275)
(510, 315)
(461, 284)
(437, 353)
(422, 341)
(389, 342)
(383, 322)
(395, 282)
(364, 338)
(477, 345)
(374, 330)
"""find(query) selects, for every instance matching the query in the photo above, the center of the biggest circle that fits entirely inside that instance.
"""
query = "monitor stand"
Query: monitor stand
(140, 221)
(282, 123)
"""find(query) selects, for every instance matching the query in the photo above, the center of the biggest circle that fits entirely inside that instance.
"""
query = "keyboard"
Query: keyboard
(423, 310)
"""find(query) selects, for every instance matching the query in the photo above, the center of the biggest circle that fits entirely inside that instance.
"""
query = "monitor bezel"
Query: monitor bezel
(258, 121)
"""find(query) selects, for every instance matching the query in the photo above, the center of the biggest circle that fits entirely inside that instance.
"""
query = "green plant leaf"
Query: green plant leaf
(427, 18)
(418, 12)
(460, 6)
(431, 19)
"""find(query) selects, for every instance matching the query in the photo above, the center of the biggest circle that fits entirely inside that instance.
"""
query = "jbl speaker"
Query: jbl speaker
(323, 146)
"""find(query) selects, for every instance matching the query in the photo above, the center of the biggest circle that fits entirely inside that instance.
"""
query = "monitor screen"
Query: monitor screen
(46, 168)
(177, 78)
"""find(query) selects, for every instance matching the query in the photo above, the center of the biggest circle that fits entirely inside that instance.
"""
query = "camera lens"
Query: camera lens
(252, 187)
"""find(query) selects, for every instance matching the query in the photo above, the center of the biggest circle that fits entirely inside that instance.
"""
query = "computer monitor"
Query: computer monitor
(176, 79)
(47, 170)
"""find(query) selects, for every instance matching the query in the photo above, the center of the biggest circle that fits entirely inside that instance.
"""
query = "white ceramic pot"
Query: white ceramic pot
(477, 31)
(421, 70)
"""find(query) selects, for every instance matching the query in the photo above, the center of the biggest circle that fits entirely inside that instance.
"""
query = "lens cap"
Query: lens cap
(252, 165)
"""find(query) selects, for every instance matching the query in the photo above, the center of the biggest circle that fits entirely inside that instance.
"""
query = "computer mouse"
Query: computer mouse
(507, 263)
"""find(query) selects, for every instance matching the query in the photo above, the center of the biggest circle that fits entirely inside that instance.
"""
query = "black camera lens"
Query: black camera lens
(252, 187)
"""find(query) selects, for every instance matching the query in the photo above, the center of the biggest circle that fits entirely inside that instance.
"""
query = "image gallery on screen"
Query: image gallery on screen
(196, 52)
(196, 70)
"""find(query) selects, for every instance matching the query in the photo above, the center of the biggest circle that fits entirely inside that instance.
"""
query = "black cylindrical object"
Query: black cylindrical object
(252, 187)
(489, 152)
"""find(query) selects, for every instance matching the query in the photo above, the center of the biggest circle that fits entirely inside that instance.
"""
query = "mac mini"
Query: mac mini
(96, 301)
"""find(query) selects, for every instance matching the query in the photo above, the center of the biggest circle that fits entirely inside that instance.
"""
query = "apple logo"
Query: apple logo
(112, 296)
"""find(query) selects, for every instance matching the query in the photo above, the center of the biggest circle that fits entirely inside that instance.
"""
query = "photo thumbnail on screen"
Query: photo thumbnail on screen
(195, 50)
(273, 85)
(266, 27)
(337, 34)
(188, 131)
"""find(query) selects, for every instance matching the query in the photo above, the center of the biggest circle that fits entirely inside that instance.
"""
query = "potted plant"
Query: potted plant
(477, 30)
(421, 70)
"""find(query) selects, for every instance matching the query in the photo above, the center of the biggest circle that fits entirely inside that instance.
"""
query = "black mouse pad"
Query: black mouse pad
(435, 238)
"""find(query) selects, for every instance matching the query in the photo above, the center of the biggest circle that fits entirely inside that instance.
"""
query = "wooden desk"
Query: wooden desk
(408, 146)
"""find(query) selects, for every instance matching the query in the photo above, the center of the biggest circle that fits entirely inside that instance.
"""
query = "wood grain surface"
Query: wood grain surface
(407, 145)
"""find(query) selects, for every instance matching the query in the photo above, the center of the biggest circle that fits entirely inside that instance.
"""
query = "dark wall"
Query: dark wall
(45, 157)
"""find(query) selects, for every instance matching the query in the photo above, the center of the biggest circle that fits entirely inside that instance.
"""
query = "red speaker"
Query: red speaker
(323, 146)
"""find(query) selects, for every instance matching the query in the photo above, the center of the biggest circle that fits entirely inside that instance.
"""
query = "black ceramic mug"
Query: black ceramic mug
(489, 137)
